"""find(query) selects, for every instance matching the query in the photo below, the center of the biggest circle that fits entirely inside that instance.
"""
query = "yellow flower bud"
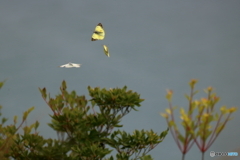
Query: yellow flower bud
(209, 89)
(169, 95)
(193, 82)
(232, 109)
(223, 109)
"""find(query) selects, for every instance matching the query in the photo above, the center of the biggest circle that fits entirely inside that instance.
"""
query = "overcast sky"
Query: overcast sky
(154, 45)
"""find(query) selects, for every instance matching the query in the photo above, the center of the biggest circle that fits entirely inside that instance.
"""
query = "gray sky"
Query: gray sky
(154, 45)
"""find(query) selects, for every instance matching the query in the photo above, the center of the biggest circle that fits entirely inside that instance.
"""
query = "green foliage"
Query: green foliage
(8, 134)
(117, 98)
(33, 146)
(84, 132)
(140, 142)
(90, 132)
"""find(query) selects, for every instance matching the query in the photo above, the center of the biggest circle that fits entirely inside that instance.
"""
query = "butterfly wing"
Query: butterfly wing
(99, 33)
(71, 65)
(77, 65)
(62, 66)
(105, 49)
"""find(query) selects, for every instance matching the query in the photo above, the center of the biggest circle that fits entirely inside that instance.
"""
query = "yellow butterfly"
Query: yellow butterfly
(105, 49)
(99, 33)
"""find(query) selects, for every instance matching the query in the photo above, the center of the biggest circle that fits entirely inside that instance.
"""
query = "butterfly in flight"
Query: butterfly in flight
(70, 65)
(99, 33)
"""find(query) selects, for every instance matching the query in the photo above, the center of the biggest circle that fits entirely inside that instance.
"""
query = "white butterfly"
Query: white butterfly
(71, 65)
